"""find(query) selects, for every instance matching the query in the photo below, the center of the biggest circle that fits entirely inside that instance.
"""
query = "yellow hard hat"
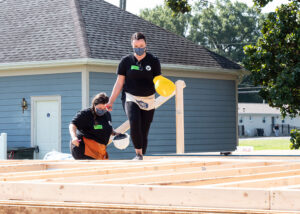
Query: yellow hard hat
(164, 86)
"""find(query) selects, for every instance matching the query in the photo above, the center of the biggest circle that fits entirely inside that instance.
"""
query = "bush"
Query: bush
(295, 139)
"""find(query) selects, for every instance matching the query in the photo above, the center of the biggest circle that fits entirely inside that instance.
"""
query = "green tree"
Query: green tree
(178, 6)
(160, 15)
(225, 27)
(274, 62)
(295, 139)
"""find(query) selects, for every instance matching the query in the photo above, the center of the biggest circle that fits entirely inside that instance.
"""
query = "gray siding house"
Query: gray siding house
(57, 54)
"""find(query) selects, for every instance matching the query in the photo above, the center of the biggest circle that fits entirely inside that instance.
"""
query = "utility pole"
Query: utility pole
(123, 4)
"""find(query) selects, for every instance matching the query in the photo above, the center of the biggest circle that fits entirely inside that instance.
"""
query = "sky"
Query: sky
(134, 6)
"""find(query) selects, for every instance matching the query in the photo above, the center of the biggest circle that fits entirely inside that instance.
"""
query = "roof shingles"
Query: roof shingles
(47, 30)
(36, 30)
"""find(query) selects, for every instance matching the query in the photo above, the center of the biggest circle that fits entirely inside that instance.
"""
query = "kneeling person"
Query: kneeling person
(90, 130)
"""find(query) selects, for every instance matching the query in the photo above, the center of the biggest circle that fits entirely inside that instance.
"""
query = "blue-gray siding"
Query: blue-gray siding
(12, 89)
(210, 115)
(210, 112)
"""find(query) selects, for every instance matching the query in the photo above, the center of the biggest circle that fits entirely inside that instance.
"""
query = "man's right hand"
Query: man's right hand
(76, 141)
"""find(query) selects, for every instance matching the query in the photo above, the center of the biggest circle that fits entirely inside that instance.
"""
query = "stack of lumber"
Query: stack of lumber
(161, 185)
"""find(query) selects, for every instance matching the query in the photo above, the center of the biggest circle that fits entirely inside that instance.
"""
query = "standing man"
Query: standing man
(135, 79)
(276, 130)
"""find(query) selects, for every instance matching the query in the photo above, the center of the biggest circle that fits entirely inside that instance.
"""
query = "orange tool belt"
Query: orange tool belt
(94, 149)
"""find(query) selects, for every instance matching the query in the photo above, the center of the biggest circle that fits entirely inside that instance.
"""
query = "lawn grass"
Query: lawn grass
(267, 144)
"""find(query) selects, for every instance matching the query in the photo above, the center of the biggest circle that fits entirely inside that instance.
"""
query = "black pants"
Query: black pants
(78, 152)
(140, 121)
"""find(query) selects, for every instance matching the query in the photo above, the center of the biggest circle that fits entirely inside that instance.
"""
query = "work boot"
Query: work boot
(138, 157)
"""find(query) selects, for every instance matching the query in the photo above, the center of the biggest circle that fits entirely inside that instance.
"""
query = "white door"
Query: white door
(46, 124)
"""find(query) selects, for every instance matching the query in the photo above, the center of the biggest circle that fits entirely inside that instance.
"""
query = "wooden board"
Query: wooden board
(159, 101)
(21, 207)
(189, 184)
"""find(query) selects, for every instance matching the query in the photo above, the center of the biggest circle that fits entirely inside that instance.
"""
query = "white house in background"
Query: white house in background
(257, 119)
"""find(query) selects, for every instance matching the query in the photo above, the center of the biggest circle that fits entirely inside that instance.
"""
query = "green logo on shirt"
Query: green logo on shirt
(135, 67)
(98, 127)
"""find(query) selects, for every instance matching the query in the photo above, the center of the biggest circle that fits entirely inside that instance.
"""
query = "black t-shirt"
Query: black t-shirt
(98, 129)
(139, 74)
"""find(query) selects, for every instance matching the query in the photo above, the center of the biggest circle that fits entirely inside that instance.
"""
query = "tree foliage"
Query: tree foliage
(295, 139)
(261, 3)
(160, 15)
(225, 27)
(178, 6)
(274, 62)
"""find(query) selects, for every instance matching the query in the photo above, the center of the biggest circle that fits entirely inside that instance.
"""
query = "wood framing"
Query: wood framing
(3, 146)
(159, 101)
(180, 85)
(161, 185)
